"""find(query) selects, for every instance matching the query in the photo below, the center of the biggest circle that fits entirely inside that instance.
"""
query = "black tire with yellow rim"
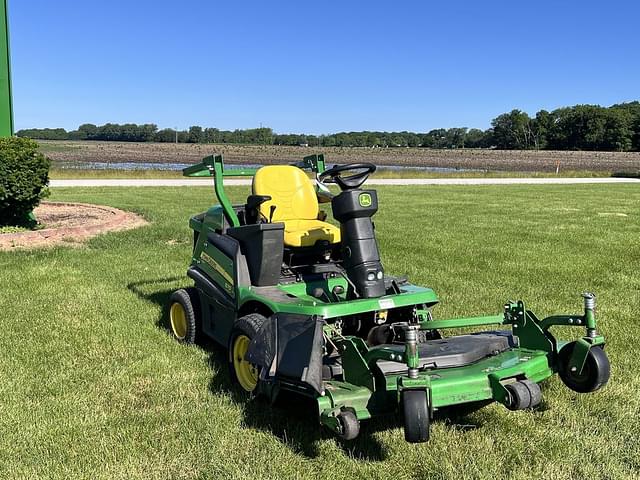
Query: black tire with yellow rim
(245, 374)
(184, 318)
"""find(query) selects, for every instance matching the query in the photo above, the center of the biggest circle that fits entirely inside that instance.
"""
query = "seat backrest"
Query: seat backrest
(291, 191)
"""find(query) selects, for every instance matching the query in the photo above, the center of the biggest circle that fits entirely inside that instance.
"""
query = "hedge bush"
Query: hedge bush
(24, 174)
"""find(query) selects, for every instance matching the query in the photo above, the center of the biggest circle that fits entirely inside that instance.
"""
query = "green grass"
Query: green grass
(94, 387)
(58, 147)
(72, 173)
(11, 229)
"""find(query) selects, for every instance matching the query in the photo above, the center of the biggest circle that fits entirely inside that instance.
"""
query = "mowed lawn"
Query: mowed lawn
(93, 386)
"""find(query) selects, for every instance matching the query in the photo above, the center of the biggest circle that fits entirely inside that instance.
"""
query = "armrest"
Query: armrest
(254, 201)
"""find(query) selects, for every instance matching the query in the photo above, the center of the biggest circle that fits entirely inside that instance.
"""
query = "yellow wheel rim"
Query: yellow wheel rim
(246, 373)
(178, 318)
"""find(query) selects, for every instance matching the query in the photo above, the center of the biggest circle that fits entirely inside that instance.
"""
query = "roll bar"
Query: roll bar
(213, 166)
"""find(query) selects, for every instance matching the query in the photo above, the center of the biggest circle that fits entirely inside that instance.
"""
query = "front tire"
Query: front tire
(184, 314)
(416, 416)
(242, 372)
(595, 373)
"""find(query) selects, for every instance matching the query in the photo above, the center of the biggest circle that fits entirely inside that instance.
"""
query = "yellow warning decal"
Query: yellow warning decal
(216, 266)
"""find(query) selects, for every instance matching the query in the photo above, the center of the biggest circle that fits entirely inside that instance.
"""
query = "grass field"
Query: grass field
(94, 387)
(79, 153)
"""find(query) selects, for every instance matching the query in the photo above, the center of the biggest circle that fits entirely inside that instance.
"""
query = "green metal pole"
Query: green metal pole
(6, 104)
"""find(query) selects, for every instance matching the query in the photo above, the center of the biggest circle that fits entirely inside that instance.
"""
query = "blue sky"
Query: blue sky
(316, 68)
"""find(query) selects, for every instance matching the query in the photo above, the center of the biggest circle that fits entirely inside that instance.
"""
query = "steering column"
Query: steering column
(353, 208)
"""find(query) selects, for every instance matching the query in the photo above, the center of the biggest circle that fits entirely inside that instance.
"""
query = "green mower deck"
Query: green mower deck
(303, 309)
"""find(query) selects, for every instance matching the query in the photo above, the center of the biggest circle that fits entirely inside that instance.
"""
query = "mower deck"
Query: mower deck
(476, 382)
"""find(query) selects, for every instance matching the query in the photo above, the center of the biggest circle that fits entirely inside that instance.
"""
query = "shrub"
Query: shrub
(24, 174)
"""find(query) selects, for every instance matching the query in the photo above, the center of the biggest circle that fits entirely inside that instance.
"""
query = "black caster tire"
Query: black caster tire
(415, 411)
(243, 373)
(595, 373)
(184, 315)
(534, 391)
(349, 425)
(519, 396)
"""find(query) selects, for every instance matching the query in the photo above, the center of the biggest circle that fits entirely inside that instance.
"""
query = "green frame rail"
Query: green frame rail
(213, 166)
(6, 102)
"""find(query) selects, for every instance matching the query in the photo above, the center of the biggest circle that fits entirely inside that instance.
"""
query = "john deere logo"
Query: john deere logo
(365, 200)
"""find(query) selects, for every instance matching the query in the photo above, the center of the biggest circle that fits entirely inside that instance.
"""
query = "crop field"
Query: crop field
(66, 153)
(93, 386)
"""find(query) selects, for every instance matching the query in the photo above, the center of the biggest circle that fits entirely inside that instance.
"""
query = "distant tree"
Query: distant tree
(437, 138)
(128, 132)
(212, 135)
(456, 137)
(148, 132)
(262, 136)
(183, 136)
(329, 141)
(373, 140)
(44, 133)
(512, 131)
(412, 139)
(475, 138)
(632, 110)
(166, 135)
(583, 127)
(196, 135)
(542, 126)
(591, 127)
(618, 131)
(87, 131)
(635, 140)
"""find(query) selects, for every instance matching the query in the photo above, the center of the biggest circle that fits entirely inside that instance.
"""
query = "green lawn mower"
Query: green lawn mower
(304, 306)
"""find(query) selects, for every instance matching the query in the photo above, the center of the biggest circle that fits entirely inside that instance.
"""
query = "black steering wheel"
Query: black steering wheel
(361, 172)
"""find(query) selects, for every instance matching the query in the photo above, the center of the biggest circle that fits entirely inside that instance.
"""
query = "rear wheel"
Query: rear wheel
(595, 372)
(184, 313)
(416, 416)
(242, 371)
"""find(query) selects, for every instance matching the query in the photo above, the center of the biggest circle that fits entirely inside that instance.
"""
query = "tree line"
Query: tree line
(580, 127)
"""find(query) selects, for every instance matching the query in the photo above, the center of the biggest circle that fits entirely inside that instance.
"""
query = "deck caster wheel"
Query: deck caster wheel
(518, 397)
(349, 426)
(534, 391)
(595, 373)
(184, 313)
(416, 416)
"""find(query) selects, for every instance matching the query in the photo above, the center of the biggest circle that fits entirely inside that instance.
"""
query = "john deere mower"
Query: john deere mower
(305, 306)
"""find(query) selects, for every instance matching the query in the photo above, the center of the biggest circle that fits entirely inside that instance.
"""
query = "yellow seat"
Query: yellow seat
(294, 196)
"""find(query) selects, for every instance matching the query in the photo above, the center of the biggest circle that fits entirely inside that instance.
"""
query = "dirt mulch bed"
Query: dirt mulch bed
(71, 224)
